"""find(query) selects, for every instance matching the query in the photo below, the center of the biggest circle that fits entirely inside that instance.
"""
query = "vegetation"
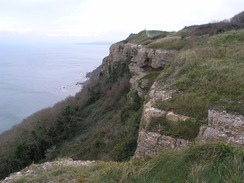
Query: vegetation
(91, 125)
(187, 129)
(178, 40)
(210, 29)
(169, 43)
(199, 163)
(209, 76)
(145, 37)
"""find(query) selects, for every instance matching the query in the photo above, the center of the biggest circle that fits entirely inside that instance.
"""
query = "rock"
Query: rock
(175, 117)
(148, 113)
(154, 59)
(222, 126)
(151, 144)
(144, 83)
(143, 60)
(146, 60)
(157, 94)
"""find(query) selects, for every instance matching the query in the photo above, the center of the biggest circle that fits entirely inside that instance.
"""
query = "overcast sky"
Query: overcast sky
(104, 20)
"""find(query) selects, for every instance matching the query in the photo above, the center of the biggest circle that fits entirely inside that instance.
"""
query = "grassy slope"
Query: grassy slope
(207, 74)
(212, 163)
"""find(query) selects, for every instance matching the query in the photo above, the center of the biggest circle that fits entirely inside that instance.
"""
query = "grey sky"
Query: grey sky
(104, 20)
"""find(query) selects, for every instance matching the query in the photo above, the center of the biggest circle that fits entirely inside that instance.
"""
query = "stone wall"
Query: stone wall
(222, 126)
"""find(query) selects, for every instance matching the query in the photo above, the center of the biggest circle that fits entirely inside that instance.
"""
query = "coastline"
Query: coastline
(36, 78)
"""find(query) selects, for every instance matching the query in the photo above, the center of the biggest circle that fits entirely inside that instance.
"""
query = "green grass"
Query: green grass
(228, 38)
(212, 163)
(187, 31)
(140, 38)
(168, 43)
(155, 34)
(145, 37)
(208, 76)
(187, 129)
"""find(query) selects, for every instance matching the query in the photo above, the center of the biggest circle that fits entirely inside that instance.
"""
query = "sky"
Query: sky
(76, 21)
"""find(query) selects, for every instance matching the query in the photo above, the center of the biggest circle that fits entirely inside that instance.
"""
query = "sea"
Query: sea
(37, 76)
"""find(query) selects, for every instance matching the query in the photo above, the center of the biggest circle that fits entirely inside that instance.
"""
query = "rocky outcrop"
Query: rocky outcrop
(142, 57)
(153, 59)
(222, 126)
(141, 61)
(145, 61)
(119, 53)
(151, 144)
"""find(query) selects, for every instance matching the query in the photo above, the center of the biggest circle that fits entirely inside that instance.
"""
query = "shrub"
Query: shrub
(125, 149)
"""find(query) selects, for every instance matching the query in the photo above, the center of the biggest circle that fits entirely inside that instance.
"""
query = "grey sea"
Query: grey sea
(33, 77)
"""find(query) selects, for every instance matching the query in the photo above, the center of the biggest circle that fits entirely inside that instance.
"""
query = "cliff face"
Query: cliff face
(152, 139)
(142, 61)
(222, 126)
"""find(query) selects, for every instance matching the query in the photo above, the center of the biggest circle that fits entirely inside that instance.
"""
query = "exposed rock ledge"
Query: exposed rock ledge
(222, 126)
(151, 144)
(143, 57)
(225, 127)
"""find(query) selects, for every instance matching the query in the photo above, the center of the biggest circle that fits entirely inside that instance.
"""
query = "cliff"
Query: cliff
(154, 93)
(153, 138)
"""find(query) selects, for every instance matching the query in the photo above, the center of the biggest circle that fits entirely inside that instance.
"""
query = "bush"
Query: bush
(125, 149)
